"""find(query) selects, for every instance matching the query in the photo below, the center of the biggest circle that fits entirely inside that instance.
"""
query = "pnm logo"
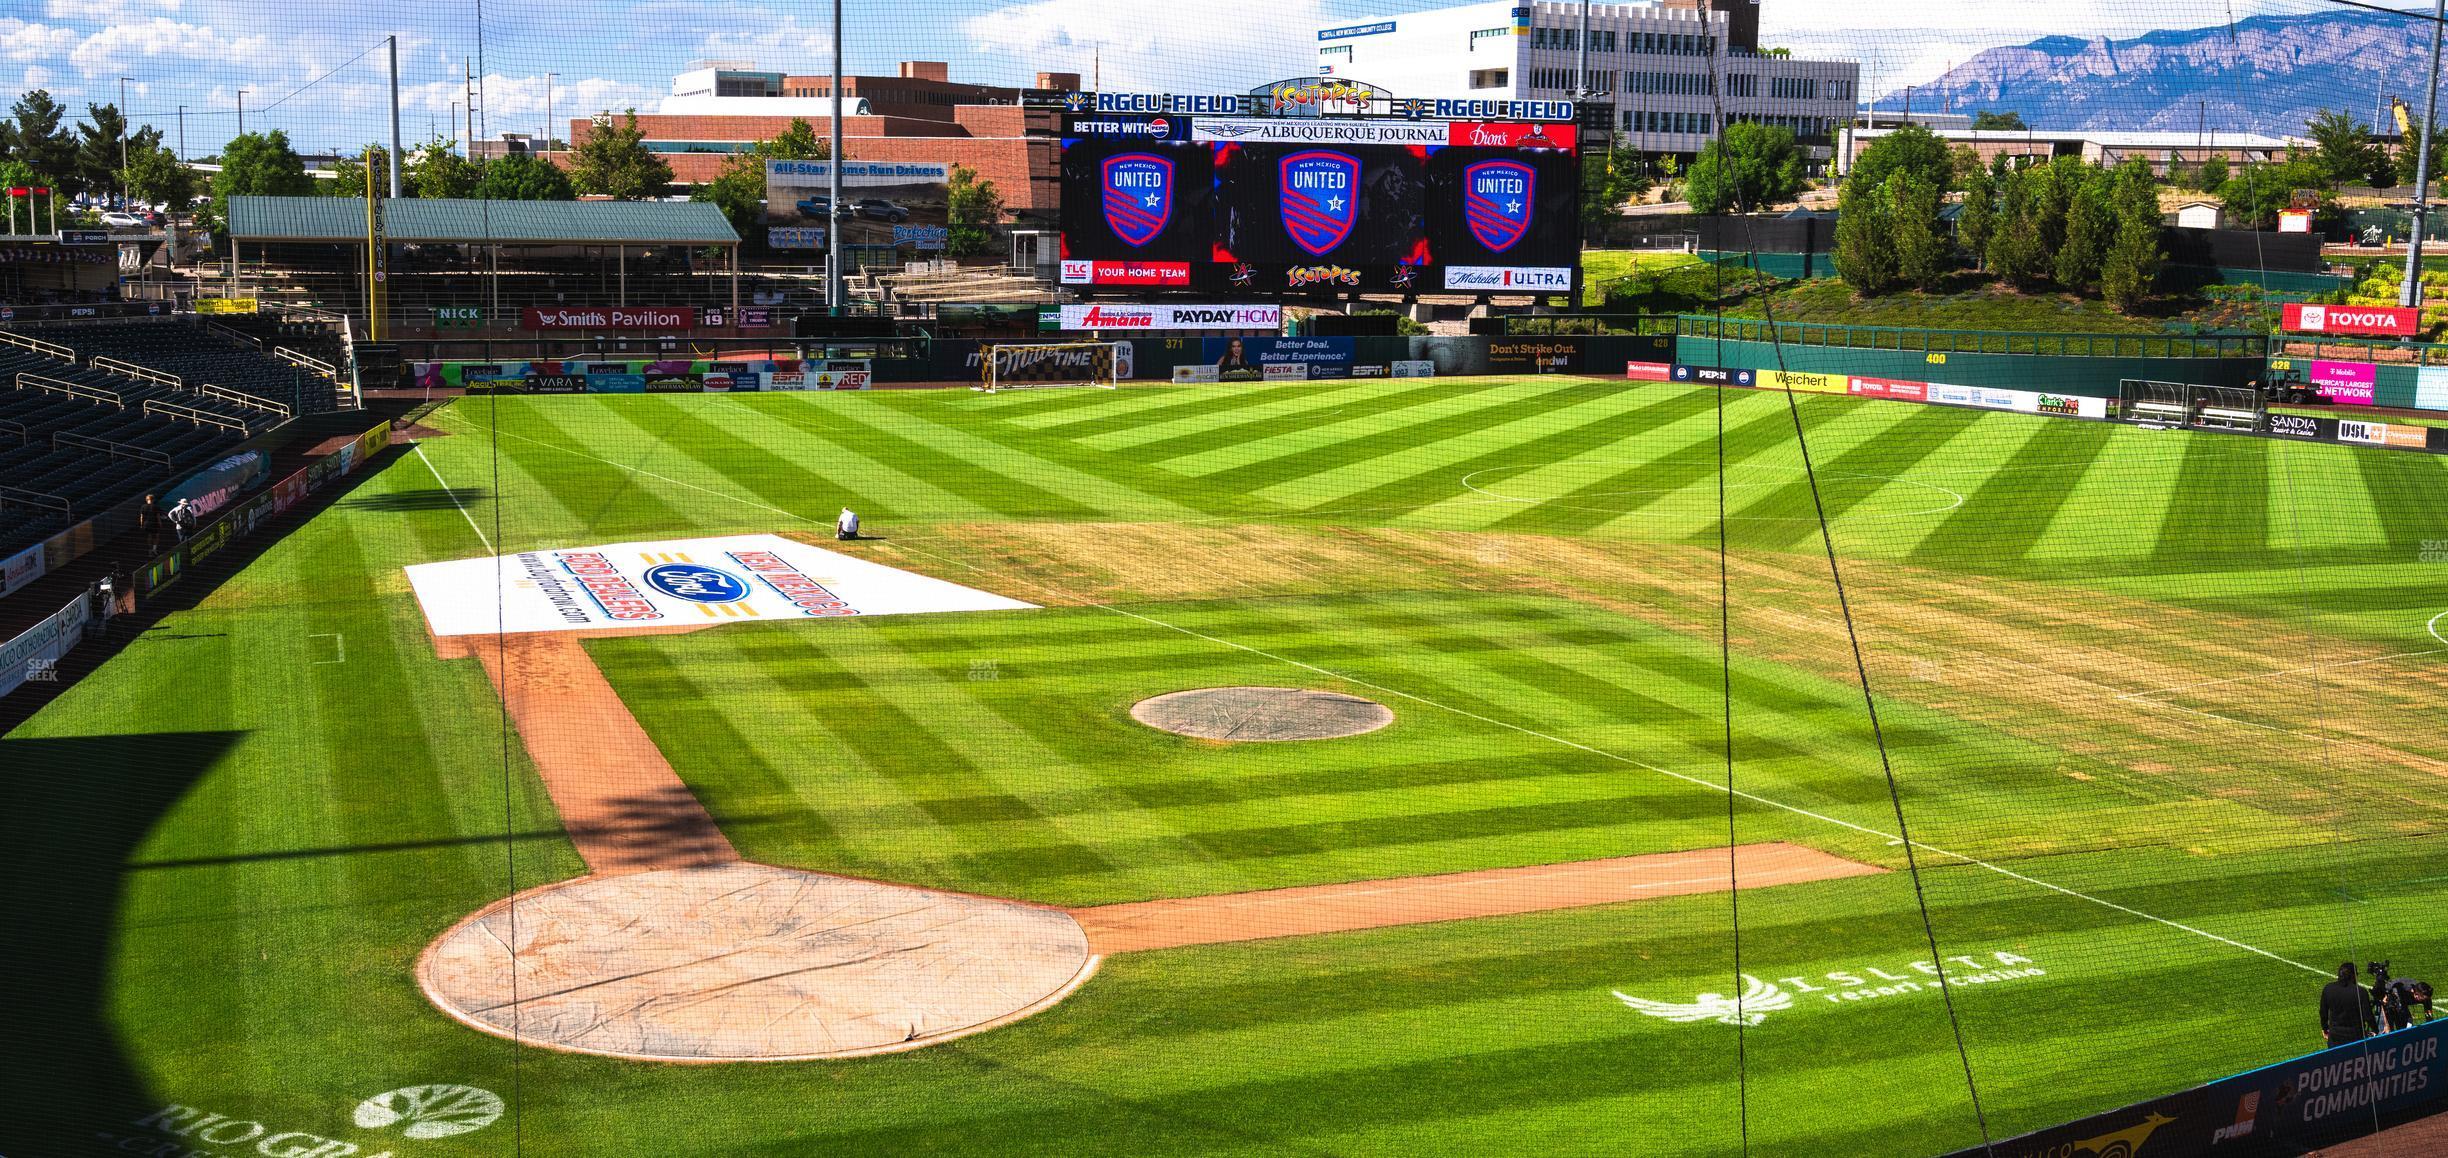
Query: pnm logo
(1138, 196)
(1758, 1000)
(696, 584)
(1307, 275)
(1318, 198)
(1496, 198)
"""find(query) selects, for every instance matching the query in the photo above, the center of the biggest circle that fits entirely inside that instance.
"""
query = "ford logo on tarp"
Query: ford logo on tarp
(696, 584)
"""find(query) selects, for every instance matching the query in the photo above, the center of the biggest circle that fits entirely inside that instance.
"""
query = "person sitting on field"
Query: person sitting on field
(846, 527)
(2398, 998)
(2345, 1008)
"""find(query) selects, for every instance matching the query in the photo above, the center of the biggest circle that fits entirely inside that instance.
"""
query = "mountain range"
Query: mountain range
(2266, 74)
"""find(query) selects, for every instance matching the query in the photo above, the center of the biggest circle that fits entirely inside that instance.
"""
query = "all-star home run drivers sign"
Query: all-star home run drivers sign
(676, 583)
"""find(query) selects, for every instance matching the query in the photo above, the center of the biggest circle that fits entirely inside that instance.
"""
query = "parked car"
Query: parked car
(877, 209)
(816, 207)
(118, 220)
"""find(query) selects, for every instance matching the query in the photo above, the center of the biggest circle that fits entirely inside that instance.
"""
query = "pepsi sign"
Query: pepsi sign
(1318, 198)
(1496, 202)
(696, 584)
(1138, 190)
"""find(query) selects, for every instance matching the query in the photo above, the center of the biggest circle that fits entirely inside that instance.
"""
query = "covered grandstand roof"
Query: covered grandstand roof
(269, 219)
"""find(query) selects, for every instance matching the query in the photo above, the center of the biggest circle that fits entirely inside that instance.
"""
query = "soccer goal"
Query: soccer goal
(1027, 365)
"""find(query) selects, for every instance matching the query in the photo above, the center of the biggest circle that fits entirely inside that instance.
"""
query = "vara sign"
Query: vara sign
(609, 318)
(2383, 321)
(1105, 317)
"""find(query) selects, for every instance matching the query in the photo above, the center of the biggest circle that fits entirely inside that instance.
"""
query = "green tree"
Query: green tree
(154, 174)
(973, 208)
(2256, 193)
(739, 190)
(349, 174)
(1749, 166)
(1865, 238)
(1993, 122)
(2407, 156)
(1910, 147)
(1978, 222)
(2129, 273)
(97, 149)
(614, 162)
(2016, 252)
(2211, 174)
(1924, 257)
(523, 177)
(260, 165)
(2342, 148)
(1608, 179)
(36, 138)
(439, 171)
(2091, 226)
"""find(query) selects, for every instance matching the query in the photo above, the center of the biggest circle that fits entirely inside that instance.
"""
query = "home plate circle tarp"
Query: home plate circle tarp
(747, 962)
(675, 583)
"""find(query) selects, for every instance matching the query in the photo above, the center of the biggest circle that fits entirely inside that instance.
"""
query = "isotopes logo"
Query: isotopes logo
(1319, 198)
(696, 584)
(1138, 196)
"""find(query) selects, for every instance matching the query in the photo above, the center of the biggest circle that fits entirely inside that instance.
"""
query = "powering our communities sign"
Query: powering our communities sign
(676, 583)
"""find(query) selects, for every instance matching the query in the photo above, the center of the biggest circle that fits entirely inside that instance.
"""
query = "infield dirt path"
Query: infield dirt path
(1340, 908)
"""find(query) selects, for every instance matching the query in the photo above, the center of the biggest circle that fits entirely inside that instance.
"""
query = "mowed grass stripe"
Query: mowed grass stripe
(1891, 452)
(1256, 406)
(2219, 507)
(2111, 512)
(1644, 485)
(2012, 505)
(752, 466)
(1129, 410)
(2318, 503)
(2409, 491)
(961, 473)
(1607, 426)
(876, 487)
(1689, 512)
(1127, 471)
(1115, 487)
(1294, 468)
(545, 495)
(1357, 410)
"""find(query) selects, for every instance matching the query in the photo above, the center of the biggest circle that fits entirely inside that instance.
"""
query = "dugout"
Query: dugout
(2236, 408)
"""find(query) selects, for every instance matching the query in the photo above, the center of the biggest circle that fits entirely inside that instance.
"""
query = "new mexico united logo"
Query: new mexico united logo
(1138, 195)
(1759, 999)
(1319, 198)
(697, 584)
(1496, 200)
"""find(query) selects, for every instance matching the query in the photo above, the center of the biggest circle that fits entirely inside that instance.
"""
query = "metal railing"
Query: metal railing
(11, 428)
(127, 369)
(28, 380)
(235, 398)
(191, 414)
(117, 449)
(45, 500)
(46, 349)
(306, 361)
(226, 331)
(1920, 341)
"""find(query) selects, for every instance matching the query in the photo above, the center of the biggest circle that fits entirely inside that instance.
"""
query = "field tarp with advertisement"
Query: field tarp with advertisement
(681, 582)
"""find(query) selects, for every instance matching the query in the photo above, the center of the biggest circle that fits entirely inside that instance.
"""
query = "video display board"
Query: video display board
(1254, 205)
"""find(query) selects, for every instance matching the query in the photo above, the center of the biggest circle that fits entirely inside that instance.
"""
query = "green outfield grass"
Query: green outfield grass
(2160, 708)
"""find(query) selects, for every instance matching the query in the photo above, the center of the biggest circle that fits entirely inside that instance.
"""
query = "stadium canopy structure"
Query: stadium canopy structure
(487, 229)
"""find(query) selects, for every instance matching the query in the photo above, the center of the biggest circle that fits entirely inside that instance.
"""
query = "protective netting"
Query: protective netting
(1696, 578)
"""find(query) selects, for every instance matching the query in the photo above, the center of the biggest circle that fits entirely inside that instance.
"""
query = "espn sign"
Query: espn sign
(2382, 321)
(609, 318)
(1105, 317)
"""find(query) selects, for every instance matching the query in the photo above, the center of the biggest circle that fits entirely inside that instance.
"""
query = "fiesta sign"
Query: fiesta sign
(2383, 321)
(609, 318)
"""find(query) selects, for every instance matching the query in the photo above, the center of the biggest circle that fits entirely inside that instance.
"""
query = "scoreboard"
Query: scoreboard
(1247, 205)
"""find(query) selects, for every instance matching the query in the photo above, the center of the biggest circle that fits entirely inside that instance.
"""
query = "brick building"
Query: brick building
(918, 115)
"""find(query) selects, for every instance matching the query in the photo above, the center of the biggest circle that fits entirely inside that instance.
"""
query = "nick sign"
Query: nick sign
(2381, 321)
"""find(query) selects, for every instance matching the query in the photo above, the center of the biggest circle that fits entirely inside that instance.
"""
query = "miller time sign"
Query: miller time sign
(1759, 997)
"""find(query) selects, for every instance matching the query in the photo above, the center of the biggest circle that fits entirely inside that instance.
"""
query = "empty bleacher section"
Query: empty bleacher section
(938, 282)
(90, 418)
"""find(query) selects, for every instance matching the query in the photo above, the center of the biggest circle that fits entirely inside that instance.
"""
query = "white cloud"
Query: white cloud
(23, 41)
(1141, 49)
(120, 46)
(515, 104)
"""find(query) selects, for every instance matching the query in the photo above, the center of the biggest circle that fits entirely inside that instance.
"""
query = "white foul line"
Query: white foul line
(454, 498)
(1891, 838)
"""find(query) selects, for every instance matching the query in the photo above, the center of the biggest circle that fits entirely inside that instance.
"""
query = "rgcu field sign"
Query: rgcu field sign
(2381, 321)
(610, 318)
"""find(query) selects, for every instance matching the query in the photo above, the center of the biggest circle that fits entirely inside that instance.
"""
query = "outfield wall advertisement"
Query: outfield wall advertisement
(675, 583)
(670, 376)
(1898, 390)
(30, 657)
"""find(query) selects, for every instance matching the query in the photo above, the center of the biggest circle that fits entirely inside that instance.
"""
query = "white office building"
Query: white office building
(1668, 67)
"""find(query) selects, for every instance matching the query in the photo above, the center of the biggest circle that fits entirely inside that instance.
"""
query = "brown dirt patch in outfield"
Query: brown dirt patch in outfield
(1248, 715)
(1342, 908)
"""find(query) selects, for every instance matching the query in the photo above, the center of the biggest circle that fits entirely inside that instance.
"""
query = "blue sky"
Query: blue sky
(615, 53)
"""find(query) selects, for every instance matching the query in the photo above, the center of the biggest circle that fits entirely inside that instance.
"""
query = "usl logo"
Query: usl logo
(1496, 198)
(1319, 201)
(1138, 196)
(696, 584)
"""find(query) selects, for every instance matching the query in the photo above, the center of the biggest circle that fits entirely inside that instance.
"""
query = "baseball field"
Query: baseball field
(2156, 710)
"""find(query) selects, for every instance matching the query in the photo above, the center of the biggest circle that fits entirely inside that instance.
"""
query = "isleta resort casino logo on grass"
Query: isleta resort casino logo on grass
(420, 1112)
(1760, 998)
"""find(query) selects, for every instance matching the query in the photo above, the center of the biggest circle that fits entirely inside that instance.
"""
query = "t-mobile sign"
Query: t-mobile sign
(2378, 321)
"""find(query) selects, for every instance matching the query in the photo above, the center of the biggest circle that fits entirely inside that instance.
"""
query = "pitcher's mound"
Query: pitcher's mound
(745, 962)
(1262, 714)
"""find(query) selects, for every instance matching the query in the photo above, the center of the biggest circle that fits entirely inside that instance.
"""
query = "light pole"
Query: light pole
(123, 160)
(549, 78)
(833, 238)
(182, 132)
(242, 112)
(2410, 294)
(395, 129)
